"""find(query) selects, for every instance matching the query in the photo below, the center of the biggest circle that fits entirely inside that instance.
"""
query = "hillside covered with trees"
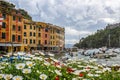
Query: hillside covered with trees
(6, 7)
(109, 37)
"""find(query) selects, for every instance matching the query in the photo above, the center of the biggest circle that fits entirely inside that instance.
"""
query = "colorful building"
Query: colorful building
(4, 31)
(16, 24)
(43, 36)
(19, 33)
(57, 38)
(11, 28)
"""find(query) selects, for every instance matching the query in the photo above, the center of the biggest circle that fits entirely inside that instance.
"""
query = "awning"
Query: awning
(32, 45)
(52, 46)
(8, 44)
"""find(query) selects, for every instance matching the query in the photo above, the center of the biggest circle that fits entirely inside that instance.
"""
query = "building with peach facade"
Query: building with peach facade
(11, 27)
(43, 36)
(16, 24)
(19, 33)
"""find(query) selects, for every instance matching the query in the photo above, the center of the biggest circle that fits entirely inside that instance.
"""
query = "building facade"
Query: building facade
(29, 35)
(16, 24)
(4, 31)
(11, 27)
(57, 38)
(43, 36)
(19, 33)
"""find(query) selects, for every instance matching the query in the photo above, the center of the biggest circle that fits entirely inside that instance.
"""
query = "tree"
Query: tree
(107, 37)
(25, 14)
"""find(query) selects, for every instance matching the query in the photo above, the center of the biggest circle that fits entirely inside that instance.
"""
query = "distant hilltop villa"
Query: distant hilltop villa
(111, 26)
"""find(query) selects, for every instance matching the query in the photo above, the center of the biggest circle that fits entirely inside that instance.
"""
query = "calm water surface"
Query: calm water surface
(109, 62)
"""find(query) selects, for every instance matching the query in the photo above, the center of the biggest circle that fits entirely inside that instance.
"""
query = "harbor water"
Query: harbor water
(108, 61)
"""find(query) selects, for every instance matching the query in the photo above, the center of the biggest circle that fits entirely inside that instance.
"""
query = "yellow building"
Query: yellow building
(52, 37)
(57, 37)
(16, 24)
(29, 35)
(60, 38)
(19, 33)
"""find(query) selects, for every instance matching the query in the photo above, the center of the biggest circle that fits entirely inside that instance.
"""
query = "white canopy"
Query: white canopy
(8, 44)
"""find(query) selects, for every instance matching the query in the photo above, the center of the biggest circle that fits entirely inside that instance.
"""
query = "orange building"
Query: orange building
(19, 33)
(11, 28)
(4, 31)
(43, 36)
(16, 24)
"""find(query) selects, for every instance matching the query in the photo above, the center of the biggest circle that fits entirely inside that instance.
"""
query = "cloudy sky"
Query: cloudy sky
(80, 18)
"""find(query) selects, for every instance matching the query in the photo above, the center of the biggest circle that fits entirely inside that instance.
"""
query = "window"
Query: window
(30, 33)
(26, 41)
(53, 42)
(19, 19)
(13, 28)
(19, 38)
(13, 37)
(24, 26)
(4, 16)
(39, 42)
(19, 28)
(3, 35)
(39, 34)
(45, 35)
(16, 12)
(34, 27)
(34, 34)
(46, 29)
(58, 31)
(30, 41)
(3, 25)
(50, 31)
(39, 29)
(30, 26)
(34, 41)
(45, 41)
(14, 18)
(50, 37)
(25, 34)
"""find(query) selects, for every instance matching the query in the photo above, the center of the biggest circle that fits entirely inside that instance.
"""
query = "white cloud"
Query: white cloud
(71, 41)
(109, 20)
(73, 11)
(81, 15)
(73, 35)
(73, 32)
